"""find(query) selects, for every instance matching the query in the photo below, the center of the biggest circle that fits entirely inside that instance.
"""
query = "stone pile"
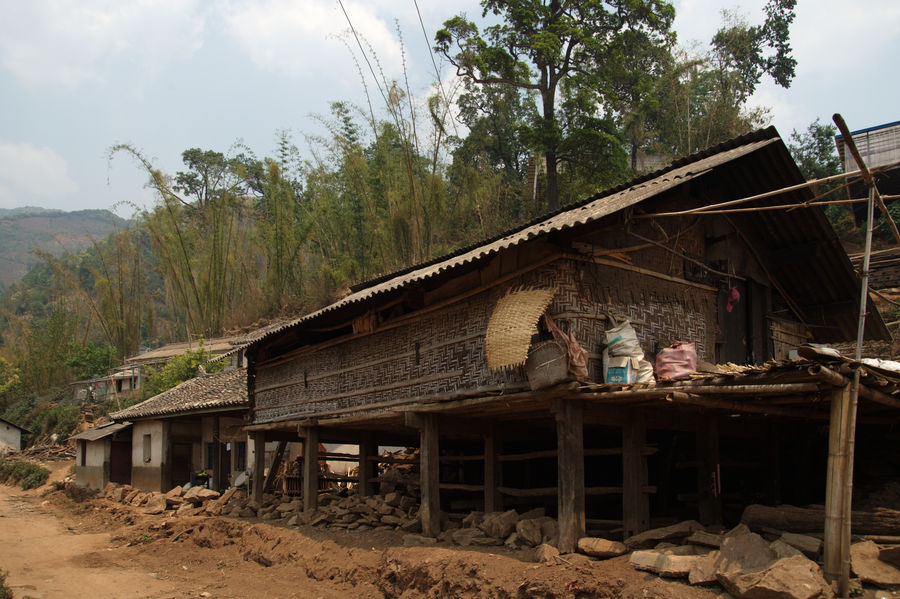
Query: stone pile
(742, 562)
(509, 528)
(194, 501)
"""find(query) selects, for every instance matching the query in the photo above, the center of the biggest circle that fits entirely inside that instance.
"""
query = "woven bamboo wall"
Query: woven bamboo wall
(443, 352)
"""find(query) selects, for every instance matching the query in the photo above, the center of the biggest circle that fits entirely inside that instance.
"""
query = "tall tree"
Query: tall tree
(540, 44)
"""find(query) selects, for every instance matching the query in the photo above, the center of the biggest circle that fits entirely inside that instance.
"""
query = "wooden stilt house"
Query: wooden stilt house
(402, 360)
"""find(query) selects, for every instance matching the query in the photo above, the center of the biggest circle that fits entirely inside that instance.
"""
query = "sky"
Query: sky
(78, 76)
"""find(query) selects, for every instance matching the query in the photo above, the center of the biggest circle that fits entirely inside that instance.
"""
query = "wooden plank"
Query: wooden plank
(570, 474)
(635, 503)
(493, 500)
(429, 476)
(259, 464)
(276, 463)
(310, 468)
(461, 487)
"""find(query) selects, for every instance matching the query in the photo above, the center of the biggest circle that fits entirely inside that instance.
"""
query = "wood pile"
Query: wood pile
(48, 451)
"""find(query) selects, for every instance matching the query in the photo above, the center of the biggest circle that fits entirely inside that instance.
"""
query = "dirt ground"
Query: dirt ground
(56, 546)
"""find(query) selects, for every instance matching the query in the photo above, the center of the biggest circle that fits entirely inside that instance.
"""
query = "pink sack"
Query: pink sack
(677, 361)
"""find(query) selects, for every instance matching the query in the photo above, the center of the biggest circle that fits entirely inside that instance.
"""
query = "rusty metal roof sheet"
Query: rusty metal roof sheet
(100, 432)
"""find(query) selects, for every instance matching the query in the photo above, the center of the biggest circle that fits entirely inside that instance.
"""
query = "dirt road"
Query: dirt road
(56, 546)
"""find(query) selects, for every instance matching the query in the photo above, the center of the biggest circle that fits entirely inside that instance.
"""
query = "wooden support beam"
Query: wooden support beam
(635, 503)
(570, 473)
(367, 466)
(259, 464)
(276, 463)
(429, 476)
(217, 481)
(493, 501)
(310, 483)
(709, 473)
(834, 484)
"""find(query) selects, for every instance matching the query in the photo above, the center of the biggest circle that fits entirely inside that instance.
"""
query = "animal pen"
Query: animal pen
(402, 361)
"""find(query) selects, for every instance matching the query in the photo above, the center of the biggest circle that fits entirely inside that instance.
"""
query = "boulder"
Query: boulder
(512, 541)
(392, 499)
(788, 578)
(293, 520)
(601, 548)
(744, 552)
(545, 554)
(117, 494)
(537, 512)
(246, 512)
(290, 506)
(156, 504)
(499, 525)
(704, 569)
(472, 519)
(471, 536)
(865, 563)
(411, 525)
(529, 531)
(175, 492)
(664, 564)
(650, 538)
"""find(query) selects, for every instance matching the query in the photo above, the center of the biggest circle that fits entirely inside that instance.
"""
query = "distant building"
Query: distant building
(11, 436)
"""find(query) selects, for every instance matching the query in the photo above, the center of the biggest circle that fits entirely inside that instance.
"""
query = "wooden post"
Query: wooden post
(570, 474)
(492, 472)
(310, 468)
(217, 459)
(366, 474)
(834, 484)
(709, 474)
(429, 473)
(635, 503)
(259, 464)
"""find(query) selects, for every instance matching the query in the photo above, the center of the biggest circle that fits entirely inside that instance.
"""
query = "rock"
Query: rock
(549, 531)
(473, 519)
(417, 541)
(175, 492)
(140, 499)
(865, 563)
(782, 549)
(499, 525)
(108, 489)
(318, 519)
(411, 525)
(512, 541)
(650, 538)
(130, 495)
(392, 520)
(601, 548)
(384, 509)
(214, 508)
(198, 495)
(744, 552)
(529, 531)
(173, 501)
(392, 499)
(472, 536)
(246, 512)
(187, 509)
(156, 505)
(288, 507)
(664, 564)
(707, 539)
(704, 569)
(740, 529)
(270, 515)
(227, 495)
(293, 520)
(117, 494)
(789, 578)
(546, 553)
(810, 546)
(407, 502)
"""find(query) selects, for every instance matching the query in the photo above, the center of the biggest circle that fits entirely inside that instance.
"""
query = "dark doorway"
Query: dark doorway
(120, 462)
(181, 463)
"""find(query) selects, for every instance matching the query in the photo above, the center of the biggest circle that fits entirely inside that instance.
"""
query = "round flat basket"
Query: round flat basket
(546, 365)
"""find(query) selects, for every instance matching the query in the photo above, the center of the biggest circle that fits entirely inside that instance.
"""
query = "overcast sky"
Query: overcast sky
(77, 76)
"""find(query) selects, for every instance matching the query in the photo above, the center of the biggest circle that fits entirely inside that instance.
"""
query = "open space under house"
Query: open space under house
(402, 360)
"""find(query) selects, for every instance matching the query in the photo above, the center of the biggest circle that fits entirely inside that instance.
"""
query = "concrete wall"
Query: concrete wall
(150, 472)
(10, 438)
(95, 472)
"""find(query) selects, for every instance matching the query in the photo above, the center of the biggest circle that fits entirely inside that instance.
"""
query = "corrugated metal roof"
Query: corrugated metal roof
(208, 392)
(213, 346)
(99, 432)
(591, 210)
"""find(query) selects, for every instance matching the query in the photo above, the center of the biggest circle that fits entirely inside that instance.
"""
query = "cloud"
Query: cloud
(75, 42)
(301, 38)
(30, 174)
